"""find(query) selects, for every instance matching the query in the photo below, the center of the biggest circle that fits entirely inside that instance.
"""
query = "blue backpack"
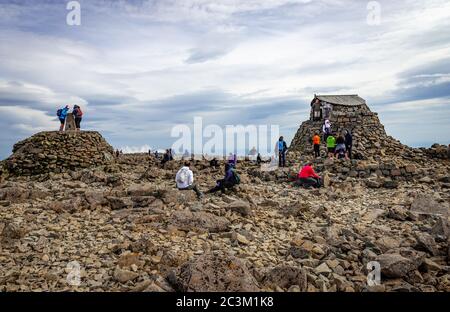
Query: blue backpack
(280, 146)
(59, 112)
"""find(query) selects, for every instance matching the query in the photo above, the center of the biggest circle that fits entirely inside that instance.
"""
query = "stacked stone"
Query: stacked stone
(369, 136)
(59, 152)
(364, 169)
(437, 151)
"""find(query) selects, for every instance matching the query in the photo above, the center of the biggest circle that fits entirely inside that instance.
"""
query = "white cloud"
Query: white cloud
(127, 59)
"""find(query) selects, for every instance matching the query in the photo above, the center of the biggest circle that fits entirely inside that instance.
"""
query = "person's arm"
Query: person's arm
(313, 173)
(190, 177)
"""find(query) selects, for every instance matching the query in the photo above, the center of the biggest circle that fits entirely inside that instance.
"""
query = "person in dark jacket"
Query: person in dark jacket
(229, 181)
(258, 159)
(282, 148)
(348, 143)
(77, 114)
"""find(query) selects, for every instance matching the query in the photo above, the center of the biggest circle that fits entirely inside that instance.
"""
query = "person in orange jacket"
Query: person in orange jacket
(316, 143)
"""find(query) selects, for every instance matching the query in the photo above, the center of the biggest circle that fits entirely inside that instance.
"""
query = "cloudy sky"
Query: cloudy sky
(140, 67)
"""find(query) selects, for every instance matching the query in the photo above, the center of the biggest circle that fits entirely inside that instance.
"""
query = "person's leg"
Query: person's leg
(78, 123)
(61, 127)
(284, 159)
(279, 159)
(196, 190)
(216, 188)
(227, 185)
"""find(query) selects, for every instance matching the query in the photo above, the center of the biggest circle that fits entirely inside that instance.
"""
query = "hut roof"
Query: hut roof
(345, 100)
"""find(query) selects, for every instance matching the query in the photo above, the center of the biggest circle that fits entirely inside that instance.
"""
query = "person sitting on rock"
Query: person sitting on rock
(316, 144)
(229, 181)
(258, 159)
(62, 114)
(77, 114)
(340, 151)
(185, 180)
(331, 145)
(213, 163)
(308, 178)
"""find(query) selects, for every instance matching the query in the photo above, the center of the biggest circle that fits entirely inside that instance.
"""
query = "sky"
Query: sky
(139, 68)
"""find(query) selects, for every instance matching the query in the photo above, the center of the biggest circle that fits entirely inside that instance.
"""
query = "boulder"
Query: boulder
(118, 203)
(394, 265)
(425, 204)
(240, 207)
(204, 221)
(285, 277)
(212, 273)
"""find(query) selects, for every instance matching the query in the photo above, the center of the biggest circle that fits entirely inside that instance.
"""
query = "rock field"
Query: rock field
(129, 229)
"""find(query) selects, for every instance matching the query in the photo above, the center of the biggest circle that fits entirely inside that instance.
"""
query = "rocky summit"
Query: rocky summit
(56, 152)
(73, 217)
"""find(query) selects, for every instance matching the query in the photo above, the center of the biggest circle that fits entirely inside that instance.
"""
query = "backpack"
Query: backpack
(78, 113)
(236, 176)
(182, 176)
(59, 112)
(280, 146)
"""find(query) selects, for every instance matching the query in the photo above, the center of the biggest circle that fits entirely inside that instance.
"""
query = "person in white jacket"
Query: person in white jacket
(185, 180)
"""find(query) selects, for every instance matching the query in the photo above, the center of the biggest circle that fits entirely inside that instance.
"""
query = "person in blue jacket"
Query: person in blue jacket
(62, 114)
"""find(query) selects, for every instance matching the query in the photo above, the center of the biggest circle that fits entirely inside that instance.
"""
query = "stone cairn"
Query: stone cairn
(369, 136)
(58, 152)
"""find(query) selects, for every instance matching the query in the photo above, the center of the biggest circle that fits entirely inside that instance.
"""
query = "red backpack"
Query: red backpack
(78, 113)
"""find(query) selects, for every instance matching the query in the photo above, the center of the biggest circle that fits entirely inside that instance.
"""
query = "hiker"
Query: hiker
(62, 114)
(331, 145)
(340, 150)
(229, 181)
(166, 157)
(213, 163)
(348, 143)
(316, 144)
(156, 154)
(171, 154)
(282, 148)
(117, 153)
(258, 159)
(326, 129)
(186, 154)
(317, 112)
(185, 180)
(77, 114)
(307, 177)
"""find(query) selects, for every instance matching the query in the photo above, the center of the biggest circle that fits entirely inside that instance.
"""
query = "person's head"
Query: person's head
(311, 164)
(281, 138)
(67, 106)
(187, 163)
(227, 167)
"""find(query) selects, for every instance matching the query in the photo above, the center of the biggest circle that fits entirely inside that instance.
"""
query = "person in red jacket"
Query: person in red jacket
(307, 177)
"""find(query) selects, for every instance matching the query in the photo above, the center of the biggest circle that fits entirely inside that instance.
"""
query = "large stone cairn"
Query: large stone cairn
(58, 152)
(369, 136)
